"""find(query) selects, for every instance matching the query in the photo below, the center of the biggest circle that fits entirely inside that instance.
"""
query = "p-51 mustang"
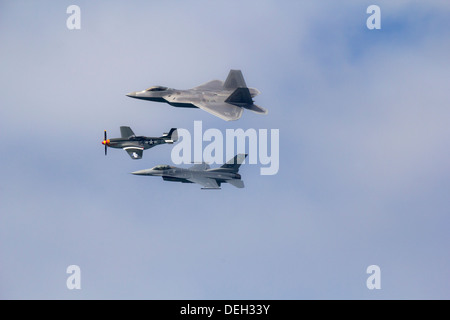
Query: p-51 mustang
(135, 145)
(201, 173)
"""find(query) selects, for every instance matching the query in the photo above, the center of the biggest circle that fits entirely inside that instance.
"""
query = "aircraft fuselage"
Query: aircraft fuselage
(142, 142)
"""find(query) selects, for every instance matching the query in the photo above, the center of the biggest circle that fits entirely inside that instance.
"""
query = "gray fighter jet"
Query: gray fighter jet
(135, 145)
(201, 173)
(224, 100)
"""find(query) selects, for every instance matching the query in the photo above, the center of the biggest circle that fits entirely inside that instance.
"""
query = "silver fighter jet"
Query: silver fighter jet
(135, 145)
(226, 100)
(201, 173)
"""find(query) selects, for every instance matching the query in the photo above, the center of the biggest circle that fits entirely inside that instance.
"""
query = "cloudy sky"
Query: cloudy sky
(364, 175)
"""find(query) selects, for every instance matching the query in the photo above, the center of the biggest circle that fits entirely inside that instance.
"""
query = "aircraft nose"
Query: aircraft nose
(141, 172)
(132, 94)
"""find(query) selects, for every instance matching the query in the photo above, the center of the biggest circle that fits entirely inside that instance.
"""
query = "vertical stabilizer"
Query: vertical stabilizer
(234, 164)
(234, 80)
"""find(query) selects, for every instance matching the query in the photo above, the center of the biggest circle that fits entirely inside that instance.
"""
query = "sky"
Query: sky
(364, 140)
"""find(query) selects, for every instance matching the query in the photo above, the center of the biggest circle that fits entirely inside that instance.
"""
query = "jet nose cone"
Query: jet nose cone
(132, 94)
(141, 172)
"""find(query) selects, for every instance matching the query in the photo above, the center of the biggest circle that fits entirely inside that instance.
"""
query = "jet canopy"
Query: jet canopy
(162, 167)
(157, 88)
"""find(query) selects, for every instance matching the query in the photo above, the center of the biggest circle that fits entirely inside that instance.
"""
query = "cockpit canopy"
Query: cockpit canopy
(157, 88)
(162, 167)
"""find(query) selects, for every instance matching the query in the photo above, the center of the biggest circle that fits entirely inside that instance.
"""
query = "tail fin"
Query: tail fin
(234, 80)
(126, 132)
(234, 164)
(171, 136)
(239, 97)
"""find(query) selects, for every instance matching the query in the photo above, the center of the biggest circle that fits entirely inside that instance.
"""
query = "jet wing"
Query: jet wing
(225, 111)
(134, 152)
(200, 166)
(206, 183)
(222, 110)
(214, 85)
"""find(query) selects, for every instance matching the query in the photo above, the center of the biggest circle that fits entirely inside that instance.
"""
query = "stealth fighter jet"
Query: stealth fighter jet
(135, 145)
(226, 100)
(201, 173)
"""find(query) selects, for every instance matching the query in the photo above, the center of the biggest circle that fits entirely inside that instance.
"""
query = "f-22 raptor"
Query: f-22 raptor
(201, 173)
(226, 100)
(135, 145)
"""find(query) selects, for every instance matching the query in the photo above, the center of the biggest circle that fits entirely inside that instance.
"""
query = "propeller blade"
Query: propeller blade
(106, 146)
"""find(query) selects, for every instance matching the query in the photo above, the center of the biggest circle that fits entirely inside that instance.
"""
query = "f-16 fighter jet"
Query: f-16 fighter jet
(135, 145)
(226, 100)
(201, 173)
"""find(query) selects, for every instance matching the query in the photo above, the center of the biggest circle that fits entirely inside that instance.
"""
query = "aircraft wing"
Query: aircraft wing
(200, 166)
(225, 111)
(214, 85)
(134, 152)
(206, 183)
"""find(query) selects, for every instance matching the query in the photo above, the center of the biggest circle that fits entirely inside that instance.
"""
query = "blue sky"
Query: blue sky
(364, 161)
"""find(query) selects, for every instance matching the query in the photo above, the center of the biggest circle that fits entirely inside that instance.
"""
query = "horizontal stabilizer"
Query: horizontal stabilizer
(256, 109)
(171, 136)
(236, 182)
